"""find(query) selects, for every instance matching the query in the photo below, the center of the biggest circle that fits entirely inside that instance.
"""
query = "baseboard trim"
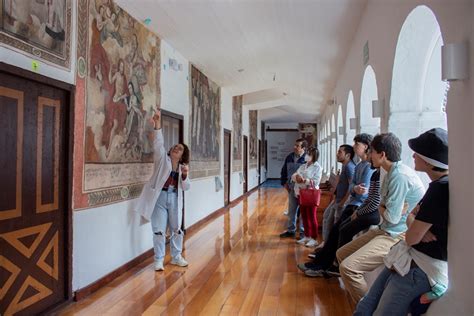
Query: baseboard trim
(93, 287)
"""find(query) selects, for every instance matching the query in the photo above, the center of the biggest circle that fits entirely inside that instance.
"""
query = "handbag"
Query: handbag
(310, 196)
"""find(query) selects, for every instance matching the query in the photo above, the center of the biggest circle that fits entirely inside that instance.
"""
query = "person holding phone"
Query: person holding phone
(161, 199)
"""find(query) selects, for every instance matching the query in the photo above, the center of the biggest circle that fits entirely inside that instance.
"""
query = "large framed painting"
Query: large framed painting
(253, 140)
(122, 93)
(237, 133)
(39, 28)
(205, 125)
(308, 132)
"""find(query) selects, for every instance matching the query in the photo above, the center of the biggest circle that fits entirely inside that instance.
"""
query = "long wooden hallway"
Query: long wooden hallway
(237, 265)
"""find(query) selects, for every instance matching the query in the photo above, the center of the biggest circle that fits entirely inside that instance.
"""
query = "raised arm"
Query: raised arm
(159, 142)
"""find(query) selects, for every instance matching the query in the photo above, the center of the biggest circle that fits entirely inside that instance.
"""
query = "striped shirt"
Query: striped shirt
(371, 204)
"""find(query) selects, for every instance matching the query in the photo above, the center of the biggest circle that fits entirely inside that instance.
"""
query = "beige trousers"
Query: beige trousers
(361, 255)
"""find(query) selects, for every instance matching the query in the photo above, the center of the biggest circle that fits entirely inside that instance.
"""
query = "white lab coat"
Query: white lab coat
(152, 189)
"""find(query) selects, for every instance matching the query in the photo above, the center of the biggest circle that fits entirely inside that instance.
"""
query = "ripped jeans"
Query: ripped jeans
(166, 211)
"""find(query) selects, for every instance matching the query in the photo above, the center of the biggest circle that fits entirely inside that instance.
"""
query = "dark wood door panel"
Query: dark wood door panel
(33, 195)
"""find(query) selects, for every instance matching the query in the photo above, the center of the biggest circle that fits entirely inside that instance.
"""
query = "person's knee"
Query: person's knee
(339, 256)
(177, 231)
(159, 233)
(343, 267)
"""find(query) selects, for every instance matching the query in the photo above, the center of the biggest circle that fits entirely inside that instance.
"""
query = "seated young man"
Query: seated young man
(419, 265)
(344, 155)
(342, 232)
(401, 190)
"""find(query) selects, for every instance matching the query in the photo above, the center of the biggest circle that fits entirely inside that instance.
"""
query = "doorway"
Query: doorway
(245, 184)
(227, 137)
(259, 161)
(172, 127)
(35, 214)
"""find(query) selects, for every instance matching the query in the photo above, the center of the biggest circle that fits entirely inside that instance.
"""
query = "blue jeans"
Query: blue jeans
(166, 211)
(293, 212)
(391, 293)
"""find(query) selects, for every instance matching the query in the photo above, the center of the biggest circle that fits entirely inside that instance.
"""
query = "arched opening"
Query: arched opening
(340, 127)
(339, 131)
(418, 96)
(368, 123)
(350, 114)
(328, 154)
(333, 144)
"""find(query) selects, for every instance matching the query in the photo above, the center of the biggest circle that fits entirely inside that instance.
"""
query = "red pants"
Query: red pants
(310, 221)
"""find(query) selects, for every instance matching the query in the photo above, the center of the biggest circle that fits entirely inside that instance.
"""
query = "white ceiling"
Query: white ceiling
(302, 44)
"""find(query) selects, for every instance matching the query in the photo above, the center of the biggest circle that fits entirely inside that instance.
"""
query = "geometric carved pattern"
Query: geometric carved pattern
(13, 238)
(114, 195)
(18, 95)
(55, 104)
(16, 306)
(54, 270)
(10, 267)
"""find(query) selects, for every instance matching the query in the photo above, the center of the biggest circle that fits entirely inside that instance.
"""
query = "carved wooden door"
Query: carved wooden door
(33, 191)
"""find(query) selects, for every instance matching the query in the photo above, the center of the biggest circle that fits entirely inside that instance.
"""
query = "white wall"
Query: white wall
(380, 25)
(281, 143)
(282, 125)
(236, 187)
(105, 238)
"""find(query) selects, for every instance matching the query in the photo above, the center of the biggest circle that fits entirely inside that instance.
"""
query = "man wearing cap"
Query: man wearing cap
(418, 265)
(401, 190)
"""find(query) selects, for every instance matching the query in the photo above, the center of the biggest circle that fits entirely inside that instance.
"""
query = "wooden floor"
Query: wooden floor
(237, 265)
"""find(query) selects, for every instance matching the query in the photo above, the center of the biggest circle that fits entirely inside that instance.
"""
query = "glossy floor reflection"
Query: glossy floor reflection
(238, 265)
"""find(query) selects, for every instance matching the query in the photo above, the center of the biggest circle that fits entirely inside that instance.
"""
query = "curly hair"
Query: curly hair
(186, 154)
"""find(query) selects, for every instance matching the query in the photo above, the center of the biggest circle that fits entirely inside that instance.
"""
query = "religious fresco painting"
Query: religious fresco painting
(253, 140)
(122, 94)
(308, 132)
(237, 133)
(205, 125)
(39, 28)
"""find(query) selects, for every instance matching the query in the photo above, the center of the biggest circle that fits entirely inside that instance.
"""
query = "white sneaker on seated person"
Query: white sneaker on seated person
(303, 240)
(311, 243)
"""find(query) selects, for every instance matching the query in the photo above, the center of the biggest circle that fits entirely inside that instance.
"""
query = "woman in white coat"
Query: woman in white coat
(309, 172)
(161, 199)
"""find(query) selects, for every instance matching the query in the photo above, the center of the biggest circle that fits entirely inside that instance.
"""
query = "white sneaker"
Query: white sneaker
(311, 243)
(179, 261)
(303, 240)
(321, 245)
(159, 265)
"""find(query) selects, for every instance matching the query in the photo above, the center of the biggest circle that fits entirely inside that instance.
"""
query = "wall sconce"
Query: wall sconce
(341, 130)
(454, 61)
(353, 123)
(377, 108)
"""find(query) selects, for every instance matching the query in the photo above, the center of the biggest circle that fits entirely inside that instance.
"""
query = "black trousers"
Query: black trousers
(341, 233)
